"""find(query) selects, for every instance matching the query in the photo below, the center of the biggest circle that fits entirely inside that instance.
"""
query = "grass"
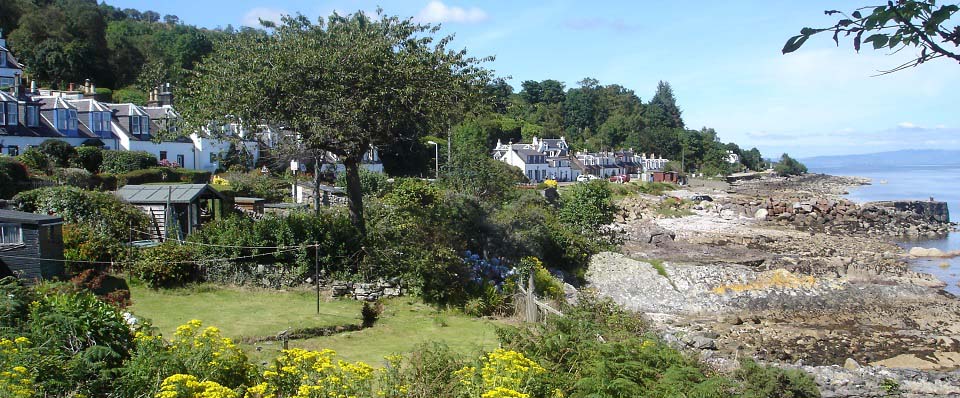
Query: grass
(403, 325)
(240, 312)
(657, 264)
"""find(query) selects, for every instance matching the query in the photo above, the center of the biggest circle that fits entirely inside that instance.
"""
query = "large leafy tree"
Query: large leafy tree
(341, 85)
(895, 26)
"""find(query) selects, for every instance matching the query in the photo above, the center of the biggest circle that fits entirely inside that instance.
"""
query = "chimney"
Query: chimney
(33, 86)
(71, 87)
(166, 95)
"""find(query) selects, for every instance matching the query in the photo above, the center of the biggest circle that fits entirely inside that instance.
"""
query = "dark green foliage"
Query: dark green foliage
(480, 176)
(894, 26)
(587, 206)
(771, 382)
(338, 245)
(83, 243)
(370, 313)
(89, 158)
(119, 162)
(103, 212)
(12, 173)
(15, 302)
(36, 161)
(59, 151)
(163, 174)
(789, 166)
(170, 264)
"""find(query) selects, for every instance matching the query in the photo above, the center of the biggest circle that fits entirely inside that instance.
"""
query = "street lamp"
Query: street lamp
(436, 156)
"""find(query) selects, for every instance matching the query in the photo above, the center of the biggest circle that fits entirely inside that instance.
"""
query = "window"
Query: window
(213, 158)
(144, 125)
(13, 150)
(60, 116)
(135, 124)
(10, 118)
(3, 62)
(6, 82)
(33, 116)
(180, 160)
(72, 120)
(105, 121)
(163, 155)
(95, 119)
(10, 234)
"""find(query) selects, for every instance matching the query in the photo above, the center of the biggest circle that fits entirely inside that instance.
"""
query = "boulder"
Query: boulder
(761, 214)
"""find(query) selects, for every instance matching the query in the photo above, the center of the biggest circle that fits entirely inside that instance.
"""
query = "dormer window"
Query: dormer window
(12, 116)
(60, 117)
(3, 58)
(140, 125)
(33, 116)
(72, 121)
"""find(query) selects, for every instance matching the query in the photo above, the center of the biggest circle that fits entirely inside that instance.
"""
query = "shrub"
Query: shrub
(104, 212)
(74, 177)
(370, 313)
(371, 183)
(37, 161)
(586, 207)
(163, 174)
(83, 243)
(89, 158)
(12, 173)
(789, 166)
(125, 161)
(167, 265)
(59, 151)
(258, 185)
(129, 94)
(769, 382)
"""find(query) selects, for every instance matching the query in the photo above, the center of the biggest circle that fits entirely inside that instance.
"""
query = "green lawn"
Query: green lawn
(404, 323)
(239, 312)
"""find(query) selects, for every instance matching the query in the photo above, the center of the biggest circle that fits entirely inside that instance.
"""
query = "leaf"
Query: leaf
(845, 22)
(794, 43)
(856, 41)
(857, 15)
(835, 38)
(878, 40)
(831, 12)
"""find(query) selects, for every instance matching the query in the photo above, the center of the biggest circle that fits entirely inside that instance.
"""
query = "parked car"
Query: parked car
(622, 178)
(586, 177)
(701, 198)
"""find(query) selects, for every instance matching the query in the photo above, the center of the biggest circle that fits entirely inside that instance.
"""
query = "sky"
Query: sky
(722, 59)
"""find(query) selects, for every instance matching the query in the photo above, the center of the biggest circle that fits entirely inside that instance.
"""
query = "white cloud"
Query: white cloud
(906, 125)
(436, 11)
(253, 17)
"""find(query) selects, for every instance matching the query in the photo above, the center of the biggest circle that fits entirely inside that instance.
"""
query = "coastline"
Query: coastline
(736, 282)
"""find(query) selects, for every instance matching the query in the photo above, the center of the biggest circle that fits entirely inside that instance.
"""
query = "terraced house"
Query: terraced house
(550, 158)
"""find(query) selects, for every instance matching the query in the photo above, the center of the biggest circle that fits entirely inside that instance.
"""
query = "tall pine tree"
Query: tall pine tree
(669, 113)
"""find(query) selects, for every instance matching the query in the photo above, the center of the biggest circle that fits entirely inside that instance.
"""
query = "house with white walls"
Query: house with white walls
(541, 159)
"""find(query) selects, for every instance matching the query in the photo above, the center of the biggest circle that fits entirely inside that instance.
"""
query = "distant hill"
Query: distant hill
(893, 158)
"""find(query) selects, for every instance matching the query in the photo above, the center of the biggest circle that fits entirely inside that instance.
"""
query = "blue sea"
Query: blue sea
(916, 182)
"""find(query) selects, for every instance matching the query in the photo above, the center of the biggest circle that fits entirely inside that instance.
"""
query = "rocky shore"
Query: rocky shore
(788, 272)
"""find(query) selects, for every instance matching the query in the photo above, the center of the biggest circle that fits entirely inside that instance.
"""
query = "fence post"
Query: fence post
(531, 304)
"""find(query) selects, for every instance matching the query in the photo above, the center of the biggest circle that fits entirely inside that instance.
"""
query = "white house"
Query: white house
(732, 157)
(10, 69)
(539, 160)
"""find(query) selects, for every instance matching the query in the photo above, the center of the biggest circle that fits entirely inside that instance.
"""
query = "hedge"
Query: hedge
(12, 173)
(163, 174)
(119, 162)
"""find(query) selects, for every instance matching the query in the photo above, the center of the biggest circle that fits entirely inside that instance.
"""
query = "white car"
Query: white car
(586, 177)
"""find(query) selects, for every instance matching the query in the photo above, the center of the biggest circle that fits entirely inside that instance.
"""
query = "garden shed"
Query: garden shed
(175, 210)
(31, 245)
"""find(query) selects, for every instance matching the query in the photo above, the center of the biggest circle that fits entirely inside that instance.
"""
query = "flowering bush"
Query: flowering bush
(502, 374)
(218, 180)
(313, 374)
(167, 163)
(16, 381)
(187, 386)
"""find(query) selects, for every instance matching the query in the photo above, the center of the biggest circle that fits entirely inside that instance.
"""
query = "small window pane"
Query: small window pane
(10, 234)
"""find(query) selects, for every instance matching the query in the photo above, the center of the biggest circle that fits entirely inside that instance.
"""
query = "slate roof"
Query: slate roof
(178, 193)
(11, 60)
(28, 218)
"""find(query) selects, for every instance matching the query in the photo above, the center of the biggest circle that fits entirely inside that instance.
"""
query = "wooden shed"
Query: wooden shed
(31, 245)
(251, 205)
(175, 210)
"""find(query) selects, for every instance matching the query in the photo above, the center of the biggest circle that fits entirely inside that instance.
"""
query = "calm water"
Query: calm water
(916, 182)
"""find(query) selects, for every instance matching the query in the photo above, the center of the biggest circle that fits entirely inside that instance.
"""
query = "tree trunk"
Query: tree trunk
(354, 193)
(317, 166)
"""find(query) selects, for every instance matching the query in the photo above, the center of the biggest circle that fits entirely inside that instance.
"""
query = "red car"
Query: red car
(622, 178)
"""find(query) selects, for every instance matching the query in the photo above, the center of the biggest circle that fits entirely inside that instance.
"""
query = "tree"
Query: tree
(895, 26)
(343, 85)
(789, 166)
(664, 101)
(171, 19)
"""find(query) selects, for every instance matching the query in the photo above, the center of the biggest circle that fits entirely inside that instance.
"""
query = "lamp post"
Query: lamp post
(436, 156)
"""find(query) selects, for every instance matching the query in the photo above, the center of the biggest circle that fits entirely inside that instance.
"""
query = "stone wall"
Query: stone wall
(366, 291)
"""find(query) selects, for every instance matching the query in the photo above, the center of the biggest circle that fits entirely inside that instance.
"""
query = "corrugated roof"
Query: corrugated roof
(27, 218)
(177, 193)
